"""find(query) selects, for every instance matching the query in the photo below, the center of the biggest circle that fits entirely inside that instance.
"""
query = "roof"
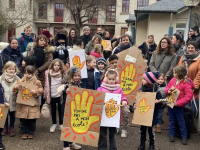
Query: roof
(131, 18)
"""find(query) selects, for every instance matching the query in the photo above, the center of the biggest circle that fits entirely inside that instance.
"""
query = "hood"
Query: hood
(26, 37)
(49, 49)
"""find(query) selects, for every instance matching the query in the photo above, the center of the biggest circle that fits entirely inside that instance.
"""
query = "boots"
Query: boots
(5, 131)
(158, 128)
(155, 128)
(151, 145)
(11, 131)
(142, 145)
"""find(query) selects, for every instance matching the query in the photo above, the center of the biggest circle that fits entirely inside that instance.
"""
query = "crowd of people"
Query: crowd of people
(44, 62)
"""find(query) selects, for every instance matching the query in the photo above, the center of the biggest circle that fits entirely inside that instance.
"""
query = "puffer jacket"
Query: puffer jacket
(96, 55)
(186, 91)
(27, 39)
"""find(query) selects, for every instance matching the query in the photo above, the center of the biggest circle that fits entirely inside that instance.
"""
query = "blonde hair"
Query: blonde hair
(10, 64)
(99, 38)
(98, 49)
(70, 74)
(89, 58)
(27, 27)
(62, 66)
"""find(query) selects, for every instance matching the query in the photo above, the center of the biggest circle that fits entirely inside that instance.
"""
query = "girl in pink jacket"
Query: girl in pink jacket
(109, 86)
(185, 86)
(98, 51)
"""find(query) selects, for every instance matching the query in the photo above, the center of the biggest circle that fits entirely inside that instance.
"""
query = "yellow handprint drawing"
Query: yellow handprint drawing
(1, 114)
(77, 62)
(26, 95)
(171, 99)
(127, 79)
(81, 118)
(110, 109)
(142, 106)
(105, 44)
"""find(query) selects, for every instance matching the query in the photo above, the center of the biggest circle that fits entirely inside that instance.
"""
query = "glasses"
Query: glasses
(163, 42)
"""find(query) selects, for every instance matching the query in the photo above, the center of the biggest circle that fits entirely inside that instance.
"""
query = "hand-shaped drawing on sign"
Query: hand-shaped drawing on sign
(142, 106)
(77, 62)
(110, 108)
(26, 94)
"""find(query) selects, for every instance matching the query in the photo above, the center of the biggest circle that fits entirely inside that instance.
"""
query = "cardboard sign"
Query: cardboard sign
(82, 116)
(143, 114)
(131, 67)
(3, 114)
(24, 96)
(111, 111)
(172, 98)
(106, 45)
(77, 59)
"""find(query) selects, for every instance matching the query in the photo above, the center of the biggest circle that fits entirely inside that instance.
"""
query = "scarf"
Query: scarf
(9, 77)
(39, 53)
(176, 47)
(55, 74)
(149, 44)
(187, 60)
(124, 47)
(110, 87)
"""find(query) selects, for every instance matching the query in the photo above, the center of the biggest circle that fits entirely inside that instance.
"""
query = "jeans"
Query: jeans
(158, 113)
(102, 145)
(66, 144)
(53, 110)
(12, 119)
(177, 112)
(28, 126)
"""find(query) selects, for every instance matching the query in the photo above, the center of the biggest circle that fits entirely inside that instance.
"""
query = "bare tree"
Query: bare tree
(15, 13)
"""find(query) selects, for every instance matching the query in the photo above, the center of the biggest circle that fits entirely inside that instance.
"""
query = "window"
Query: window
(125, 5)
(11, 4)
(40, 29)
(56, 29)
(143, 3)
(111, 13)
(42, 12)
(59, 10)
(123, 30)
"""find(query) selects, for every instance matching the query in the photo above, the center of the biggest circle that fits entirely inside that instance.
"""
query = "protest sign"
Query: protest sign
(106, 45)
(173, 97)
(3, 114)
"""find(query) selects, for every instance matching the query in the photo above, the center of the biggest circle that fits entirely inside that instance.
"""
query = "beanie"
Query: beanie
(86, 27)
(62, 36)
(151, 77)
(101, 60)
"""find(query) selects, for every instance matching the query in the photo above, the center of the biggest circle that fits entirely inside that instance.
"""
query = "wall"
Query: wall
(141, 33)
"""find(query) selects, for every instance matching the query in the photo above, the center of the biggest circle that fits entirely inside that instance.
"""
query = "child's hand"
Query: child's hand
(19, 87)
(6, 104)
(176, 90)
(134, 106)
(124, 103)
(67, 91)
(32, 91)
(157, 101)
(169, 92)
(175, 104)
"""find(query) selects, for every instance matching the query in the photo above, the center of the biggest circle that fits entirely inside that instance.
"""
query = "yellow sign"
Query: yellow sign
(77, 62)
(111, 109)
(142, 106)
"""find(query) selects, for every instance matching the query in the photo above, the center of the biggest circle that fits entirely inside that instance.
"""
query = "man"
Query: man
(25, 38)
(195, 36)
(99, 31)
(86, 37)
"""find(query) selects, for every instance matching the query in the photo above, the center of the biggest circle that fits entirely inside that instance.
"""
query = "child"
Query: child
(53, 80)
(29, 114)
(2, 101)
(73, 78)
(98, 52)
(110, 85)
(148, 85)
(9, 80)
(101, 64)
(185, 86)
(159, 109)
(113, 59)
(93, 81)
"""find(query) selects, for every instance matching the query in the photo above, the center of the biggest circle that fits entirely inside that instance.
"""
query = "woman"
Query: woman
(11, 53)
(177, 42)
(61, 31)
(78, 45)
(164, 58)
(72, 37)
(148, 48)
(90, 46)
(189, 37)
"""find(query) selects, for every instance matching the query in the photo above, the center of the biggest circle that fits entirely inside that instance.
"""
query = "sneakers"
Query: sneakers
(124, 133)
(184, 141)
(68, 148)
(24, 136)
(30, 136)
(60, 127)
(11, 132)
(5, 131)
(53, 128)
(2, 146)
(74, 146)
(171, 139)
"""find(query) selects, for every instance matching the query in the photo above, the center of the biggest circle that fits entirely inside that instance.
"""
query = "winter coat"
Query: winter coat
(27, 39)
(166, 64)
(10, 54)
(122, 47)
(179, 49)
(89, 47)
(2, 95)
(97, 80)
(30, 112)
(96, 55)
(61, 54)
(8, 92)
(193, 70)
(161, 89)
(85, 39)
(186, 91)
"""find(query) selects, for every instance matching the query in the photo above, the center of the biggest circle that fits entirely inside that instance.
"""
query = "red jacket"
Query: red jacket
(96, 55)
(186, 91)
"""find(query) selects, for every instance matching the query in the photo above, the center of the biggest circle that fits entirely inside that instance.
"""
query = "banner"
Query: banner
(3, 114)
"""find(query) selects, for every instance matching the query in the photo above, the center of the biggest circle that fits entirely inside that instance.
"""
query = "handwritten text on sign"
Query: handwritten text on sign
(111, 109)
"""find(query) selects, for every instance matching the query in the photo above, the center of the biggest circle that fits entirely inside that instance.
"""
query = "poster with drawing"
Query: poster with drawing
(173, 97)
(145, 103)
(77, 59)
(3, 114)
(106, 45)
(82, 116)
(111, 110)
(24, 96)
(131, 67)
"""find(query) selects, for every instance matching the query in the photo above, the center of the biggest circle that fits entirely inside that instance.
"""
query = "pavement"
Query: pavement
(44, 140)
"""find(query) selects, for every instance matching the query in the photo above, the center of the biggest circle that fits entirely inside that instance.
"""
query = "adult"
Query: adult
(61, 51)
(148, 48)
(195, 36)
(72, 37)
(164, 58)
(129, 33)
(189, 37)
(177, 42)
(99, 31)
(78, 45)
(86, 37)
(25, 38)
(61, 31)
(11, 53)
(90, 46)
(117, 44)
(48, 35)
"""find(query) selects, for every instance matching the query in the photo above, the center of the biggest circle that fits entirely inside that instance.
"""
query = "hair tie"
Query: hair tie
(106, 79)
(74, 70)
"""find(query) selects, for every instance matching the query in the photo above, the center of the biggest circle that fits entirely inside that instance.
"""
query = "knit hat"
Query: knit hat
(62, 36)
(151, 77)
(101, 60)
(46, 33)
(86, 27)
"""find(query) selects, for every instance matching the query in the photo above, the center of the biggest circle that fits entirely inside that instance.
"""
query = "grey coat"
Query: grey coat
(89, 47)
(166, 64)
(180, 53)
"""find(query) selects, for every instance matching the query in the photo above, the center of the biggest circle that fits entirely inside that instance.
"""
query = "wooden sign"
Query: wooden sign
(3, 114)
(107, 45)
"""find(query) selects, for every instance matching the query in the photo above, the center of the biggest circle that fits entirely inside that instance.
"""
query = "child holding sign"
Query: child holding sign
(185, 86)
(110, 85)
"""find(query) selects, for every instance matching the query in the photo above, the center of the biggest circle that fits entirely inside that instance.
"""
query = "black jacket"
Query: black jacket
(196, 39)
(85, 39)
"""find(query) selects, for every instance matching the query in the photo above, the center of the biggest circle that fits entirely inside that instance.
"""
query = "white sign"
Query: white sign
(111, 110)
(77, 59)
